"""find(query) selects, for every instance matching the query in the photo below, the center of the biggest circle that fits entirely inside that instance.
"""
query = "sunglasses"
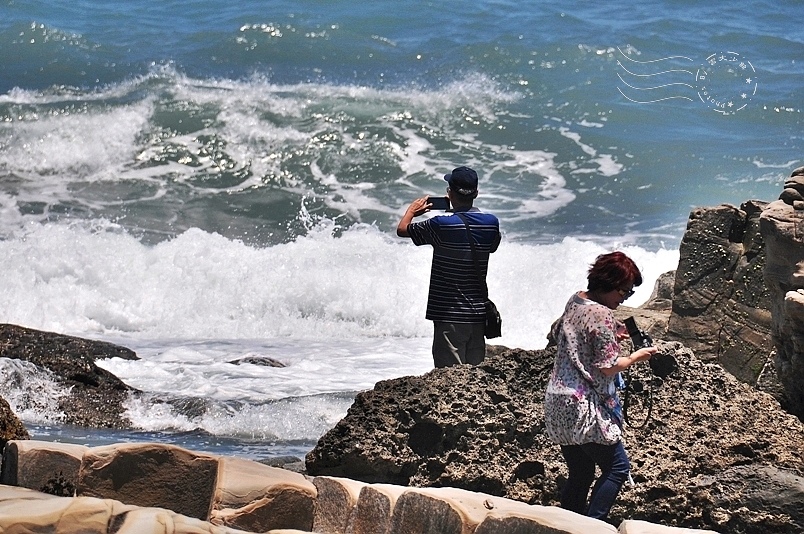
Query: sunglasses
(625, 293)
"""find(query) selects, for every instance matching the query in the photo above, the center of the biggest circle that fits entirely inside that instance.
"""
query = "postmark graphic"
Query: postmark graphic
(725, 82)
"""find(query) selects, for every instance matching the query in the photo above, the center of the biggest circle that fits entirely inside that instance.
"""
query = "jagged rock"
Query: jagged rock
(259, 360)
(96, 396)
(774, 495)
(782, 229)
(662, 297)
(721, 307)
(481, 428)
(10, 425)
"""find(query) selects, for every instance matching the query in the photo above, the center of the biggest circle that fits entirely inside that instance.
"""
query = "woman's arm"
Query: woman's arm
(624, 362)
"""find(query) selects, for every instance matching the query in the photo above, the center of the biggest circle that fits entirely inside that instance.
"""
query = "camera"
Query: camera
(661, 365)
(639, 338)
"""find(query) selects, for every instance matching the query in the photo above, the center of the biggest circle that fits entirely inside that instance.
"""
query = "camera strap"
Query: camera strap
(483, 287)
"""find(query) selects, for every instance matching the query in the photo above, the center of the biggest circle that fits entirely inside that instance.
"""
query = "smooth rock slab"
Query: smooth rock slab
(643, 527)
(44, 466)
(24, 511)
(374, 509)
(258, 498)
(151, 475)
(336, 503)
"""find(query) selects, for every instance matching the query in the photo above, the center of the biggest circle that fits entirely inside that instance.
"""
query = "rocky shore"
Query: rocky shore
(715, 442)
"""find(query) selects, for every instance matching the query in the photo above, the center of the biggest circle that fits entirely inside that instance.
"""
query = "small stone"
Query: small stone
(798, 204)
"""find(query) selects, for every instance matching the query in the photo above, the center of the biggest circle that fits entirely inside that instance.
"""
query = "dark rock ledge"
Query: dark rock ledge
(96, 396)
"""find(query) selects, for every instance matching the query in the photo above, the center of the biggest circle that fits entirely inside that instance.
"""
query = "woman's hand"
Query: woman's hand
(624, 362)
(643, 354)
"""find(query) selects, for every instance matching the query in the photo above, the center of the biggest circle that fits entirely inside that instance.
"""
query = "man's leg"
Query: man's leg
(449, 343)
(581, 474)
(476, 345)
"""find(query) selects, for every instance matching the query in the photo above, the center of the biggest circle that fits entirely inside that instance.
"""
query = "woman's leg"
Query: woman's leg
(581, 469)
(614, 467)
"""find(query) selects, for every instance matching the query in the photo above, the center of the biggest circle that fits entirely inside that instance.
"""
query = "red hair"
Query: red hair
(613, 271)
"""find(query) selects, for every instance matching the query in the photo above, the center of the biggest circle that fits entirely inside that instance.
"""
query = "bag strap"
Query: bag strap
(471, 239)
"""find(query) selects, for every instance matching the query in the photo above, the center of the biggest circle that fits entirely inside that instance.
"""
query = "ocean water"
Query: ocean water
(205, 181)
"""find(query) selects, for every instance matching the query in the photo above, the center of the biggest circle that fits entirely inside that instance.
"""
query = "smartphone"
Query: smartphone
(439, 203)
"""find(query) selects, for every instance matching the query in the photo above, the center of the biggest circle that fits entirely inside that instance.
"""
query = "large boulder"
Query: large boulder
(96, 396)
(481, 428)
(720, 305)
(782, 227)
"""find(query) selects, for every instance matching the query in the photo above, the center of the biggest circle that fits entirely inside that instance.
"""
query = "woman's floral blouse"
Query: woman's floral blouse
(573, 406)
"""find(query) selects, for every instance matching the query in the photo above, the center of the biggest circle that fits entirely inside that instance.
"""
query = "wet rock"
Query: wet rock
(259, 360)
(96, 396)
(10, 425)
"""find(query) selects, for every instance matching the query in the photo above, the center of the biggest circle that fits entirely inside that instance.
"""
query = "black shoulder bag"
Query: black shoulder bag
(493, 320)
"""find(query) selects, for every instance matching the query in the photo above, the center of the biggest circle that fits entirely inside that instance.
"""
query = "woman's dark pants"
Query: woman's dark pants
(581, 461)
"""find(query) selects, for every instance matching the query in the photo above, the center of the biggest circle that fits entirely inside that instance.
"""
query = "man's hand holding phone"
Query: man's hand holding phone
(438, 203)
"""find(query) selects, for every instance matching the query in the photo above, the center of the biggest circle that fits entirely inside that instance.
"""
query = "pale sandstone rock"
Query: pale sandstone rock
(42, 466)
(257, 497)
(159, 521)
(374, 509)
(513, 517)
(24, 511)
(345, 506)
(151, 475)
(643, 527)
(336, 502)
(418, 513)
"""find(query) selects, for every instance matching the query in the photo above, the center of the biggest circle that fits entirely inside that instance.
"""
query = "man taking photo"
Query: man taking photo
(457, 294)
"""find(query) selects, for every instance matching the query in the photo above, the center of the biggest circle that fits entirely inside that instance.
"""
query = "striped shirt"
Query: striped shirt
(456, 294)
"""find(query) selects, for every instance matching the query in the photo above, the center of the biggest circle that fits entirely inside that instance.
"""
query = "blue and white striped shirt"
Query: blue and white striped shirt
(456, 294)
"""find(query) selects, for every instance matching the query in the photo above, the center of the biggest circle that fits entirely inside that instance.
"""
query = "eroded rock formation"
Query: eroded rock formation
(782, 227)
(720, 306)
(482, 429)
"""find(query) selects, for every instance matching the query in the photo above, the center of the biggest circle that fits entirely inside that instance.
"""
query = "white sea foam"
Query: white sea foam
(363, 284)
(340, 312)
(32, 393)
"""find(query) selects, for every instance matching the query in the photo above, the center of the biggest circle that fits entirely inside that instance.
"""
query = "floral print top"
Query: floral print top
(574, 405)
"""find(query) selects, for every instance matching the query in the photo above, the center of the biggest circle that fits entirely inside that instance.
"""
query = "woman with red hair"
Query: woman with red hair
(581, 410)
